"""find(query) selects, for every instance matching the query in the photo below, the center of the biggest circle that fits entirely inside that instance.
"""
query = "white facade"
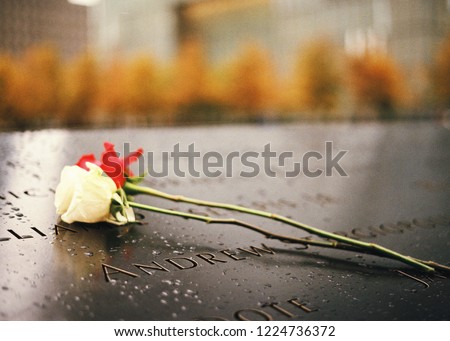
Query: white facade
(134, 26)
(409, 29)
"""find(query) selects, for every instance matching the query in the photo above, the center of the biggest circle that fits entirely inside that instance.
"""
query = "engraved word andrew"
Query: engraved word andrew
(185, 263)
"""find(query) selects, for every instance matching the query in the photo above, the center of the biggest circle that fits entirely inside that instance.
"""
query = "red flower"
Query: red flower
(116, 168)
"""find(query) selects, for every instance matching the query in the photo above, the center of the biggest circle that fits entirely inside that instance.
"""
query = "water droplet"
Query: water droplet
(189, 292)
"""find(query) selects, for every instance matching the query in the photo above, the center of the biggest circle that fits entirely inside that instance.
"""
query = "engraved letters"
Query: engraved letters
(20, 236)
(262, 313)
(185, 263)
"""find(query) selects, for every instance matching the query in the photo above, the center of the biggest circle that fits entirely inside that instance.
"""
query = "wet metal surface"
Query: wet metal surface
(397, 194)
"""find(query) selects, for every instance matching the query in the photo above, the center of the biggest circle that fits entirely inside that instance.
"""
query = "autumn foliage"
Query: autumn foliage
(112, 97)
(7, 68)
(189, 74)
(38, 88)
(441, 74)
(141, 86)
(317, 78)
(29, 86)
(377, 83)
(80, 90)
(253, 87)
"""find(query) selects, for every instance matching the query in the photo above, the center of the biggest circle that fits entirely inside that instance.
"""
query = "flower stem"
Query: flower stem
(232, 221)
(210, 220)
(370, 247)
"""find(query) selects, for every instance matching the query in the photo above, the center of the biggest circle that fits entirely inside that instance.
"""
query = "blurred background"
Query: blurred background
(113, 63)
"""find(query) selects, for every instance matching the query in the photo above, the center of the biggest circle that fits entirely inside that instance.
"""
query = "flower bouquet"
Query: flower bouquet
(100, 190)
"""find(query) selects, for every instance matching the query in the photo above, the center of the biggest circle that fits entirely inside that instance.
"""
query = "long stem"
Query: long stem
(378, 249)
(266, 233)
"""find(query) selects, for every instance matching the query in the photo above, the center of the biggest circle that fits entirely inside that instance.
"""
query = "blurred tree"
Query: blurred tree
(318, 81)
(35, 87)
(7, 67)
(112, 90)
(253, 86)
(191, 79)
(441, 74)
(376, 83)
(289, 102)
(81, 90)
(143, 86)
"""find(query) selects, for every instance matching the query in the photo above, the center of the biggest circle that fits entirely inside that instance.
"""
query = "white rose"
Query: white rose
(84, 196)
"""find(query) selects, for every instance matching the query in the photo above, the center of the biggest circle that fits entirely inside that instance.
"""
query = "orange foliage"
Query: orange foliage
(36, 88)
(112, 97)
(318, 81)
(253, 82)
(80, 90)
(143, 90)
(376, 82)
(7, 67)
(441, 74)
(35, 85)
(190, 76)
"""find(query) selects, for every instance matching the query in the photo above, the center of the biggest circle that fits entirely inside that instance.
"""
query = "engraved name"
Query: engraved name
(184, 263)
(399, 227)
(270, 311)
(17, 235)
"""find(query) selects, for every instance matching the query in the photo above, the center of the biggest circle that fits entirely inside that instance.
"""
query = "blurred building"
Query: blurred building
(135, 26)
(408, 29)
(24, 23)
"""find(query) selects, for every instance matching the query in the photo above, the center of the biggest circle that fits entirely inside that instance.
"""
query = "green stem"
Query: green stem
(375, 248)
(268, 234)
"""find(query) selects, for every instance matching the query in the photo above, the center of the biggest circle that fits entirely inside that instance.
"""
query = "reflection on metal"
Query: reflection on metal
(167, 268)
(414, 278)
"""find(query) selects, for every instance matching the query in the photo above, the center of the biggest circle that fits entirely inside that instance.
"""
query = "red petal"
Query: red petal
(116, 168)
(87, 158)
(133, 156)
(108, 146)
(117, 177)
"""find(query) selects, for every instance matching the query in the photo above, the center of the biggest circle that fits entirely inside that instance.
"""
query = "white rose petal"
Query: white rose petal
(70, 176)
(84, 196)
